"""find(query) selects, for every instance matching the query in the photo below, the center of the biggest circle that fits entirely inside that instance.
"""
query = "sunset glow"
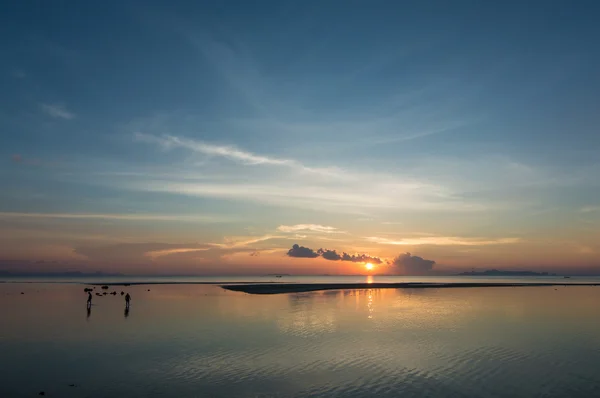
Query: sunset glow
(354, 150)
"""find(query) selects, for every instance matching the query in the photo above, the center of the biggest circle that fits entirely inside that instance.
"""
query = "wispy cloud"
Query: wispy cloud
(230, 152)
(339, 199)
(309, 227)
(57, 111)
(167, 252)
(585, 250)
(117, 217)
(237, 242)
(392, 117)
(589, 209)
(442, 241)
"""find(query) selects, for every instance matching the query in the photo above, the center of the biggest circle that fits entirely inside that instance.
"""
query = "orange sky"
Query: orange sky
(131, 245)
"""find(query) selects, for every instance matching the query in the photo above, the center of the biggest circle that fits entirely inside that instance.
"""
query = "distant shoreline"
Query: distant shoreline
(495, 272)
(312, 287)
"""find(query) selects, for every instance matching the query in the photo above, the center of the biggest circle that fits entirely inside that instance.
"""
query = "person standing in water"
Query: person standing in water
(127, 300)
(89, 300)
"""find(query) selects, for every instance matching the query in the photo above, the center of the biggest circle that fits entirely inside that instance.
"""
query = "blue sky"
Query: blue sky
(464, 132)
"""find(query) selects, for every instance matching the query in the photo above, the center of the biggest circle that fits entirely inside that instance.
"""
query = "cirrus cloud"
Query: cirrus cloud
(229, 152)
(309, 227)
(57, 111)
(442, 241)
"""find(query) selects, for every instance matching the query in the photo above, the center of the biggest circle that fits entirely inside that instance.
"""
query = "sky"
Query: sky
(211, 137)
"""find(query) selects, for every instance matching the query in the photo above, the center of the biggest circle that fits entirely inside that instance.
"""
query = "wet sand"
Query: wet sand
(311, 287)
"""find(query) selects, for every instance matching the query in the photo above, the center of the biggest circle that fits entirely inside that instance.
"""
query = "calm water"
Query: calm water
(302, 279)
(203, 341)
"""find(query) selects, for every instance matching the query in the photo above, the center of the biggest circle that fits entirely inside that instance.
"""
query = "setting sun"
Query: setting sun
(369, 266)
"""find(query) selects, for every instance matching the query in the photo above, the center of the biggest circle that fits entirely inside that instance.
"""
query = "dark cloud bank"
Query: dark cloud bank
(408, 264)
(405, 263)
(301, 251)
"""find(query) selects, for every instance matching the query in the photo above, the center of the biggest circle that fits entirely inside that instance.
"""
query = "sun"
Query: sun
(369, 266)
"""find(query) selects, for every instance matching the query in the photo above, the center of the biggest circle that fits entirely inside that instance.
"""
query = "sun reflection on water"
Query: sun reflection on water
(370, 305)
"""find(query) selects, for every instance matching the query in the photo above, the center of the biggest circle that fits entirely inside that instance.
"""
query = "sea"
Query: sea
(189, 337)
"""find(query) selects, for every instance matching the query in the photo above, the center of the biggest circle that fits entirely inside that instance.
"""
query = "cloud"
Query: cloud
(409, 264)
(116, 217)
(443, 241)
(585, 250)
(301, 251)
(282, 181)
(57, 111)
(231, 243)
(167, 252)
(361, 258)
(309, 227)
(132, 252)
(333, 255)
(589, 209)
(228, 151)
(329, 254)
(144, 253)
(347, 200)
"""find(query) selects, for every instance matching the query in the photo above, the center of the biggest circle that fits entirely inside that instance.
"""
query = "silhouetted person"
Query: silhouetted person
(89, 311)
(126, 311)
(89, 300)
(127, 300)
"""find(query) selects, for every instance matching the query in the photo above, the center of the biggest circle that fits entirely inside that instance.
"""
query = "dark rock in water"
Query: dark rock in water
(104, 294)
(98, 294)
(22, 293)
(42, 393)
(71, 385)
(87, 289)
(114, 293)
(148, 289)
(122, 293)
(104, 287)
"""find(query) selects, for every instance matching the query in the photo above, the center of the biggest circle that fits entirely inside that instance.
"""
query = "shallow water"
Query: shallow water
(203, 341)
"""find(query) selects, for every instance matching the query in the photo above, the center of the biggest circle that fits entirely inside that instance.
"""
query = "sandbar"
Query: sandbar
(275, 288)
